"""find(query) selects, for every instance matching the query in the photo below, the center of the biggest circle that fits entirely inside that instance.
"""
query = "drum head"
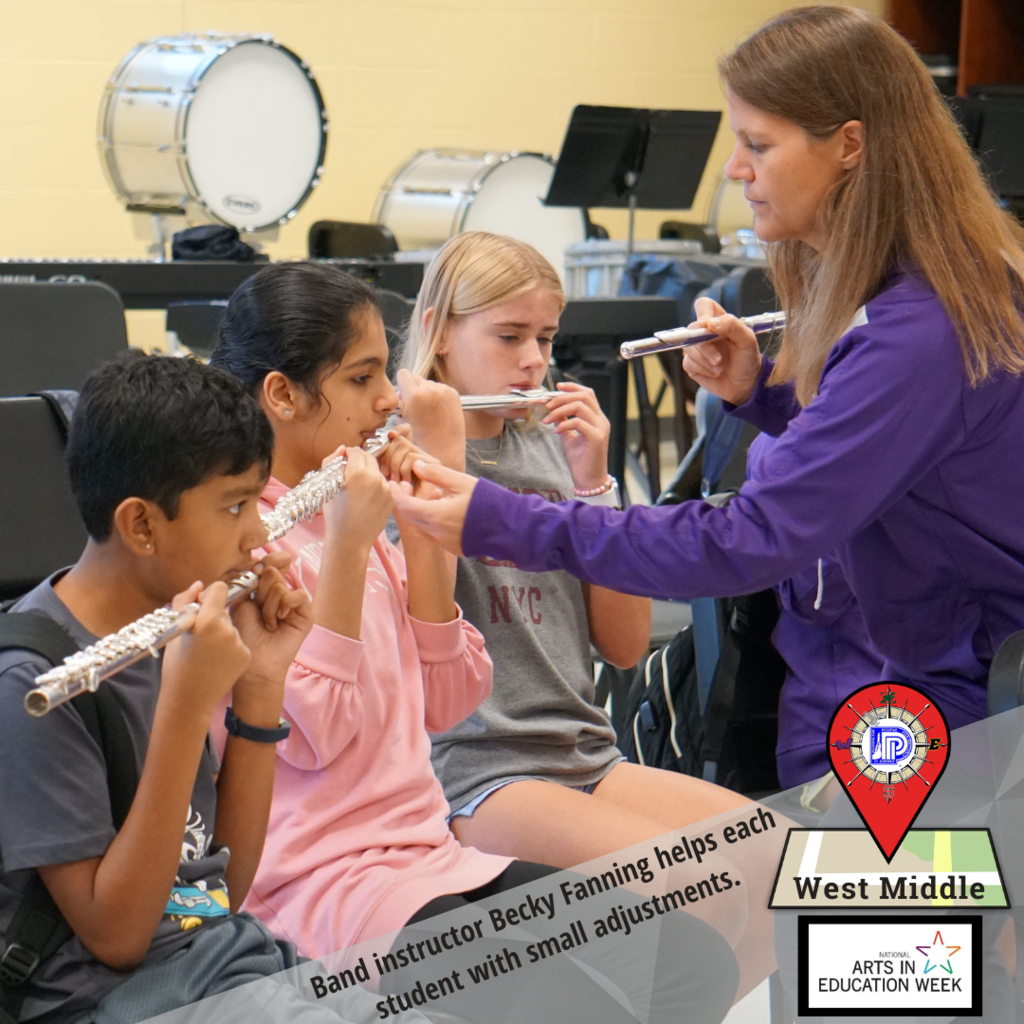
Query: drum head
(254, 135)
(510, 201)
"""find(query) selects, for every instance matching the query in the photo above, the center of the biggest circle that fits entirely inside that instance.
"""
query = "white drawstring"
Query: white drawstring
(821, 584)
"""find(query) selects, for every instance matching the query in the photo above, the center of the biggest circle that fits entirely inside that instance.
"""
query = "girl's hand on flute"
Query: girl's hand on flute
(729, 366)
(357, 514)
(201, 666)
(441, 518)
(585, 430)
(397, 460)
(434, 412)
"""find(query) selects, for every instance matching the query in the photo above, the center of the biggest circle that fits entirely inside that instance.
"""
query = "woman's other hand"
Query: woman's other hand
(730, 365)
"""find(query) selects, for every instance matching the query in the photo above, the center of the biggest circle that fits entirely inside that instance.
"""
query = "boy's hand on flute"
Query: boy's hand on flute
(201, 666)
(434, 412)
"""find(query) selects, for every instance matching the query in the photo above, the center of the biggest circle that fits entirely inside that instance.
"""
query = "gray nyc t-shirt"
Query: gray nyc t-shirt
(540, 719)
(54, 809)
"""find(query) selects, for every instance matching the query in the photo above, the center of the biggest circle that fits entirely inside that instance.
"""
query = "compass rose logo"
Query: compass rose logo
(888, 744)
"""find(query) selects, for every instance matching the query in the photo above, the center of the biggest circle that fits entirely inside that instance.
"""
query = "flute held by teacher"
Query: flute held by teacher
(682, 337)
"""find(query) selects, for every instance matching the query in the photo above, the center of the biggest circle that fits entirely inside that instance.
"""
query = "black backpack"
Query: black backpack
(727, 736)
(38, 928)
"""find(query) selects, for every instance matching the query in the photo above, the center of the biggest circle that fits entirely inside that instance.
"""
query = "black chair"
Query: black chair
(1006, 676)
(746, 291)
(339, 239)
(396, 312)
(1005, 693)
(703, 233)
(197, 324)
(53, 335)
(42, 528)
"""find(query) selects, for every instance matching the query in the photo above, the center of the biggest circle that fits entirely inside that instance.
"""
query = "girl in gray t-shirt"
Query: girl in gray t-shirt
(534, 772)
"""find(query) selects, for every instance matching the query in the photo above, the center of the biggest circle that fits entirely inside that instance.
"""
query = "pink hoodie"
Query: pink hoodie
(357, 840)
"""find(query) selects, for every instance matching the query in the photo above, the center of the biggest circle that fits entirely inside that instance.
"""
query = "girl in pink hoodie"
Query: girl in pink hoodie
(358, 842)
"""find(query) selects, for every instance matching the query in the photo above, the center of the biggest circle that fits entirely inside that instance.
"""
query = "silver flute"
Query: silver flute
(681, 337)
(514, 399)
(86, 669)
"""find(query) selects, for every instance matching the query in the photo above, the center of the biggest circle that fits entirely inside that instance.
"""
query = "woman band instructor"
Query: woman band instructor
(897, 396)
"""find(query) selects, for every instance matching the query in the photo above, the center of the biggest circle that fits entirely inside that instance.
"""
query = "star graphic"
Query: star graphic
(938, 950)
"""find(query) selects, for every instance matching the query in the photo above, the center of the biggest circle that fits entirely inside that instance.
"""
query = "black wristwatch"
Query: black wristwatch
(236, 727)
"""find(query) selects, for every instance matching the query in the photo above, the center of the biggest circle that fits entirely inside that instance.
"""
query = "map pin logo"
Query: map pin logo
(888, 744)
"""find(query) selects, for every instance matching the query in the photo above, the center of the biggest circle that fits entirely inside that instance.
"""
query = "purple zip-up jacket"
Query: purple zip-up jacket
(911, 476)
(822, 638)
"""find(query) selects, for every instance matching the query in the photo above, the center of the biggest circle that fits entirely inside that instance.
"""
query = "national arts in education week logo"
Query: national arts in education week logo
(895, 965)
(889, 745)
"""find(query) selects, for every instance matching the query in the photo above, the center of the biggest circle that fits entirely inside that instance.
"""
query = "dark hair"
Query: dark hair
(296, 318)
(155, 426)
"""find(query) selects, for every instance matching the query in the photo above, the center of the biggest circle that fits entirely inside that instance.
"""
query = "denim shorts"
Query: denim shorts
(466, 811)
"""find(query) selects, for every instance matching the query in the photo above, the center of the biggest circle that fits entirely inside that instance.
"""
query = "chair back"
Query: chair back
(339, 239)
(1006, 676)
(196, 324)
(53, 335)
(396, 311)
(42, 528)
(747, 291)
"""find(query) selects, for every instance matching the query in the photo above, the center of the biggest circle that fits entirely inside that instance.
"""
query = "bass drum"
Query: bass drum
(233, 125)
(440, 193)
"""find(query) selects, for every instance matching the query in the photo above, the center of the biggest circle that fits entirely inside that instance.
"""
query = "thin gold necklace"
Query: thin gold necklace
(480, 458)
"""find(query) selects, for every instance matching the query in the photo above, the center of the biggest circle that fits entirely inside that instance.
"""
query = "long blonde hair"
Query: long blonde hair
(917, 199)
(472, 272)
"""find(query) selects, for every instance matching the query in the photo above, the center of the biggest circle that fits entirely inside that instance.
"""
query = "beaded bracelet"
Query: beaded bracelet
(579, 492)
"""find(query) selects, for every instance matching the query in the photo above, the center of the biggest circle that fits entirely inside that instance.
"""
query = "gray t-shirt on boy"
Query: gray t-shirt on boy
(54, 808)
(540, 719)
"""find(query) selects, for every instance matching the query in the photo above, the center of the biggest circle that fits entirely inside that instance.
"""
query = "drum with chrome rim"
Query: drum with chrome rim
(439, 193)
(234, 125)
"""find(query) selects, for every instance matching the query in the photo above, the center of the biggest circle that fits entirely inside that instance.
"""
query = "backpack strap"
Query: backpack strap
(36, 932)
(104, 718)
(720, 699)
(32, 631)
(38, 928)
(100, 711)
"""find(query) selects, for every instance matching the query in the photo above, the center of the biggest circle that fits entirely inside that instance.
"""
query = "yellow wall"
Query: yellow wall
(397, 75)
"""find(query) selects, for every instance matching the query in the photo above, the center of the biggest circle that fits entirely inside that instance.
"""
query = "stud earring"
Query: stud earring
(287, 413)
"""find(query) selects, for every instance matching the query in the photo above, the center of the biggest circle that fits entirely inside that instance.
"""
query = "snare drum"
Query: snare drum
(234, 125)
(440, 193)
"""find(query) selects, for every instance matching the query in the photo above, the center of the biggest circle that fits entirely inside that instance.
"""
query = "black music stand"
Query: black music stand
(587, 347)
(633, 158)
